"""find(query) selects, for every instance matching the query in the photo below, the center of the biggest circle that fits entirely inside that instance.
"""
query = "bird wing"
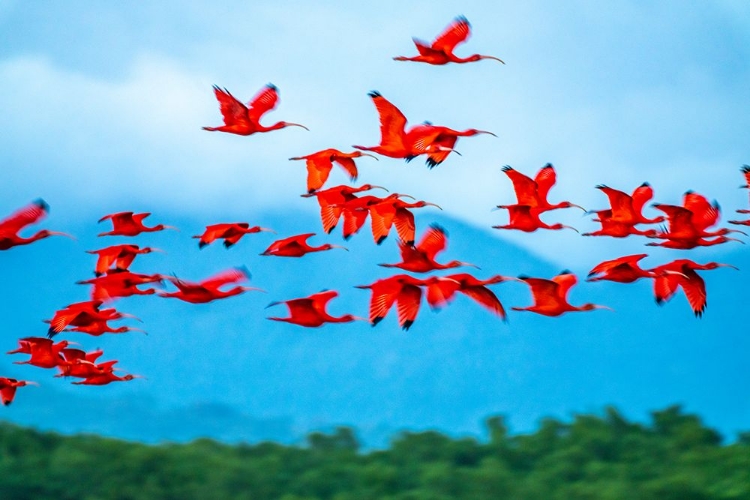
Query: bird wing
(680, 221)
(354, 219)
(440, 291)
(695, 291)
(621, 203)
(486, 298)
(318, 170)
(440, 146)
(213, 232)
(640, 196)
(424, 48)
(348, 165)
(125, 261)
(384, 293)
(544, 291)
(7, 392)
(119, 216)
(30, 214)
(545, 179)
(392, 122)
(525, 188)
(234, 275)
(421, 138)
(321, 299)
(329, 216)
(404, 222)
(71, 354)
(407, 303)
(705, 214)
(433, 241)
(565, 282)
(232, 110)
(608, 265)
(456, 32)
(264, 101)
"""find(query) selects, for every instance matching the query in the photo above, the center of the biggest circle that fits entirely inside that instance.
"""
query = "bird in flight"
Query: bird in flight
(319, 166)
(245, 120)
(311, 311)
(210, 289)
(130, 224)
(231, 233)
(534, 192)
(420, 258)
(550, 296)
(440, 51)
(8, 388)
(441, 290)
(526, 218)
(119, 255)
(297, 246)
(681, 273)
(403, 290)
(14, 223)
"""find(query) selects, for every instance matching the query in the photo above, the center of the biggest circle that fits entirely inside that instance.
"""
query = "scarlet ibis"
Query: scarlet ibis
(297, 246)
(550, 296)
(395, 140)
(356, 210)
(82, 314)
(130, 224)
(116, 284)
(394, 211)
(526, 218)
(30, 214)
(229, 232)
(534, 192)
(44, 353)
(440, 51)
(311, 311)
(617, 229)
(682, 273)
(627, 209)
(209, 289)
(332, 201)
(79, 363)
(245, 120)
(622, 270)
(442, 144)
(441, 290)
(105, 378)
(120, 255)
(421, 258)
(687, 226)
(319, 166)
(402, 289)
(8, 388)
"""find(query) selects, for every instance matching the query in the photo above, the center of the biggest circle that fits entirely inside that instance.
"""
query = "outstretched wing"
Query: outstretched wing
(608, 265)
(23, 217)
(433, 241)
(456, 32)
(232, 110)
(525, 188)
(392, 122)
(545, 179)
(235, 275)
(263, 102)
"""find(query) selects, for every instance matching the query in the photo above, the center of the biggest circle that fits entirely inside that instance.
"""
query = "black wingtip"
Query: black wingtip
(41, 204)
(202, 244)
(548, 165)
(745, 169)
(272, 86)
(228, 244)
(374, 94)
(506, 168)
(438, 227)
(566, 271)
(377, 320)
(381, 239)
(407, 324)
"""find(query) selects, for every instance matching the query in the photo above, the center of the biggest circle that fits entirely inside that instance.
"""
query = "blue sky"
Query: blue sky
(103, 103)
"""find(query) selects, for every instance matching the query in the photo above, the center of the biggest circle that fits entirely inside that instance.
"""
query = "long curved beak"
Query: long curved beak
(339, 246)
(137, 330)
(467, 264)
(59, 233)
(486, 132)
(728, 265)
(434, 205)
(252, 288)
(159, 250)
(736, 231)
(359, 318)
(371, 156)
(579, 206)
(379, 187)
(296, 125)
(735, 239)
(492, 57)
(574, 229)
(132, 316)
(399, 195)
(603, 307)
(171, 227)
(266, 230)
(443, 149)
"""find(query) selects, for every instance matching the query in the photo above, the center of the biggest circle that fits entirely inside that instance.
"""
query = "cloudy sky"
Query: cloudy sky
(102, 104)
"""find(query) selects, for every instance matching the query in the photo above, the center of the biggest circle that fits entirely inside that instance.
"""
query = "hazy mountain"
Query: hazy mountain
(222, 370)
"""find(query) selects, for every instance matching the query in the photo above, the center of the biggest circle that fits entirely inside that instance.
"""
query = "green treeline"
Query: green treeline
(593, 457)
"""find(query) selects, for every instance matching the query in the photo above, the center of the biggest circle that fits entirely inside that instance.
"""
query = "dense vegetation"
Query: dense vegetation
(592, 457)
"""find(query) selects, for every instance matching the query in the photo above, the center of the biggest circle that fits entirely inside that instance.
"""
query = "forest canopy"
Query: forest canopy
(605, 456)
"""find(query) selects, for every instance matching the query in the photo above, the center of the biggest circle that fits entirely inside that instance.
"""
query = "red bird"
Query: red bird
(8, 388)
(617, 229)
(105, 378)
(421, 258)
(209, 289)
(44, 353)
(119, 284)
(534, 192)
(30, 214)
(443, 143)
(332, 201)
(440, 291)
(130, 224)
(395, 141)
(82, 314)
(79, 363)
(245, 120)
(682, 273)
(393, 211)
(627, 209)
(402, 289)
(550, 296)
(319, 166)
(296, 246)
(355, 211)
(119, 255)
(97, 328)
(526, 218)
(440, 51)
(229, 232)
(622, 270)
(311, 311)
